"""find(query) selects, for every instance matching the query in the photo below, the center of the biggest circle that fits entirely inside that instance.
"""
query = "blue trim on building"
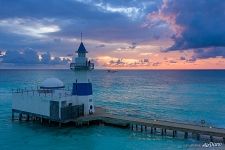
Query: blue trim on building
(82, 89)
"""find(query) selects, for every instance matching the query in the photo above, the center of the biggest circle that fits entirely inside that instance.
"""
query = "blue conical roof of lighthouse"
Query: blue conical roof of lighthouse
(81, 48)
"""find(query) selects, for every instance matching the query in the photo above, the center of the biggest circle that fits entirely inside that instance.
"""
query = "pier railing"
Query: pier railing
(66, 92)
(158, 119)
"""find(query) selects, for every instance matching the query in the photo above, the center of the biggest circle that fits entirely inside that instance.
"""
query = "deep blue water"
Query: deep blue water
(184, 96)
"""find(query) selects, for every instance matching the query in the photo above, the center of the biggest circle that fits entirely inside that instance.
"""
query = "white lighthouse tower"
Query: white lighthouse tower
(82, 86)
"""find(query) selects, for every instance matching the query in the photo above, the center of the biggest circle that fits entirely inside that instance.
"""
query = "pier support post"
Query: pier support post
(162, 132)
(136, 127)
(174, 133)
(41, 120)
(165, 131)
(198, 136)
(186, 135)
(132, 127)
(12, 114)
(28, 117)
(33, 118)
(223, 139)
(20, 116)
(154, 130)
(141, 128)
(211, 138)
(151, 130)
(145, 128)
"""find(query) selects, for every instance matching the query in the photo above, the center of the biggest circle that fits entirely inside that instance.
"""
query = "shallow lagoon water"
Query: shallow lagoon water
(184, 96)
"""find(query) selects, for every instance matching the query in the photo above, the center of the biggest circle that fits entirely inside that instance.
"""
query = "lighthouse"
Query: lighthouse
(82, 86)
(52, 100)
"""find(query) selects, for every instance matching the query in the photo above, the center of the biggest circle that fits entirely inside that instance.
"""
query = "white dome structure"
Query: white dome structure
(52, 83)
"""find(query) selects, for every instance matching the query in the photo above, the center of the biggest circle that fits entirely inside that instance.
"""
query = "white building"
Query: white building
(55, 102)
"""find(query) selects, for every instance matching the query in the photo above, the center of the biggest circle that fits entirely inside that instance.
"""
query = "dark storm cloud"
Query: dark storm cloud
(197, 25)
(202, 26)
(202, 22)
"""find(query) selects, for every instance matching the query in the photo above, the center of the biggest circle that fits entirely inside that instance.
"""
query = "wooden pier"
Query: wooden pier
(152, 126)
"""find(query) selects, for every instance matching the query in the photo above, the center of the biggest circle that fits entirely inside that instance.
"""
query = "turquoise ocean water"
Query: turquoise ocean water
(184, 96)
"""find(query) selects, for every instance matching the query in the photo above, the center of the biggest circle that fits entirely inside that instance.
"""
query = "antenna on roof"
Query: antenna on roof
(81, 36)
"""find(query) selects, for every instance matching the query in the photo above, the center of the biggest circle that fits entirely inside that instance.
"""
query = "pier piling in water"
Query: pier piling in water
(28, 117)
(13, 115)
(151, 130)
(186, 135)
(211, 138)
(198, 136)
(20, 116)
(162, 131)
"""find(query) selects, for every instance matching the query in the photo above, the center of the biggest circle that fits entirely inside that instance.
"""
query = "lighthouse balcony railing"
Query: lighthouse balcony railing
(82, 66)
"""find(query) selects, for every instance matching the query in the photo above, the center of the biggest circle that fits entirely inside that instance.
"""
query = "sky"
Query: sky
(118, 34)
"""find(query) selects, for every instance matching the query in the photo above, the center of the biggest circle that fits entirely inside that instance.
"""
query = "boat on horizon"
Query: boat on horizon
(112, 71)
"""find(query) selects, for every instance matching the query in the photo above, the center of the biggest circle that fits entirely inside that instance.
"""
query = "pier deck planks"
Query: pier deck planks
(102, 115)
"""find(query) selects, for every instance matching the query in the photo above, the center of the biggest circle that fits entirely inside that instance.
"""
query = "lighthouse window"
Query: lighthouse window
(90, 100)
(91, 107)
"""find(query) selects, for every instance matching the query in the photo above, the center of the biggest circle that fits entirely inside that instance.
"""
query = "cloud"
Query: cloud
(55, 26)
(133, 45)
(28, 56)
(119, 29)
(29, 27)
(182, 58)
(172, 61)
(155, 64)
(212, 52)
(196, 25)
(200, 23)
(71, 17)
(46, 58)
(100, 46)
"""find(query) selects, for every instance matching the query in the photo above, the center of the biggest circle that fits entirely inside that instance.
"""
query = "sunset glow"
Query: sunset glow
(159, 34)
